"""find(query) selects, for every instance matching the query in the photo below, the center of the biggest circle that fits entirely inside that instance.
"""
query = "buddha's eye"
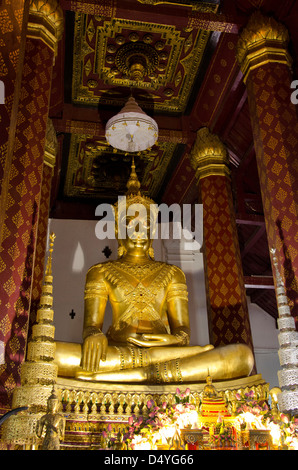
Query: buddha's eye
(145, 223)
(130, 221)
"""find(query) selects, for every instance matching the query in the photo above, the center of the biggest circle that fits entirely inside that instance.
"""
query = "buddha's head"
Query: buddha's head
(136, 217)
(53, 403)
(208, 380)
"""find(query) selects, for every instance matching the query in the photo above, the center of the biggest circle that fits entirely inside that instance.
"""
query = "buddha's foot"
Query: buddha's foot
(124, 376)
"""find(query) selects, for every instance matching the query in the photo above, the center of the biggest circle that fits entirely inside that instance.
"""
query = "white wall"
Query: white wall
(77, 248)
(265, 341)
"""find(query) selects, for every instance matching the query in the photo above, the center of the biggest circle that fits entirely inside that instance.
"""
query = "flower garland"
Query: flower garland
(252, 413)
(163, 422)
(161, 425)
(289, 431)
(222, 436)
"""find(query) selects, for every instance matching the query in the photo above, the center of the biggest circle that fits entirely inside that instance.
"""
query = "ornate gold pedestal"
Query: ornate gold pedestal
(90, 407)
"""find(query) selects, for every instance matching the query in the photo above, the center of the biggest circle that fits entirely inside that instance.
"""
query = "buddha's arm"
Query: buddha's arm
(177, 307)
(94, 341)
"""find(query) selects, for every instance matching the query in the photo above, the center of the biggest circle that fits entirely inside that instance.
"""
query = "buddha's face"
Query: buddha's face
(53, 405)
(136, 228)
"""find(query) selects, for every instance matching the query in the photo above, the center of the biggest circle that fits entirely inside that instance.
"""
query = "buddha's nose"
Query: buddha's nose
(140, 235)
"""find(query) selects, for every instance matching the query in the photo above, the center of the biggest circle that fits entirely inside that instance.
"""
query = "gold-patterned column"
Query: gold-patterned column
(13, 27)
(266, 64)
(225, 291)
(51, 147)
(22, 205)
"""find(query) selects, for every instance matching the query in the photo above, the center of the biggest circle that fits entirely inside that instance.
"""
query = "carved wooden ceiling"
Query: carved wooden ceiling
(114, 57)
(177, 58)
(159, 62)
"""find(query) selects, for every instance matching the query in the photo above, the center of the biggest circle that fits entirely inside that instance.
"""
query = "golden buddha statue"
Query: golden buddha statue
(209, 391)
(54, 424)
(148, 341)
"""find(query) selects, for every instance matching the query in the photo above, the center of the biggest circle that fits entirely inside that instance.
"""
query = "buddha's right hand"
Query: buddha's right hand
(94, 350)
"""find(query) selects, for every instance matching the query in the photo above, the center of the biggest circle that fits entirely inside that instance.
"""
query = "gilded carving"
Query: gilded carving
(51, 10)
(136, 60)
(91, 169)
(46, 21)
(209, 156)
(189, 3)
(263, 40)
(125, 53)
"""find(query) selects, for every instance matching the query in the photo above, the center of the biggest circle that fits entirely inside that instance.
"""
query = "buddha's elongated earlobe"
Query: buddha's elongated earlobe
(150, 252)
(121, 251)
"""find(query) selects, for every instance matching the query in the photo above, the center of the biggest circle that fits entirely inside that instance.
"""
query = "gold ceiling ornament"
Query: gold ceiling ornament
(209, 155)
(95, 60)
(131, 130)
(263, 40)
(136, 60)
(46, 21)
(97, 170)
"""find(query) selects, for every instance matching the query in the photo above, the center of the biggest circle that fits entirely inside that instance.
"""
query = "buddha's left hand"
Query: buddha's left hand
(153, 340)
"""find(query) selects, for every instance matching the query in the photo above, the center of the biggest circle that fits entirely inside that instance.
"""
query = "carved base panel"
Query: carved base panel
(90, 407)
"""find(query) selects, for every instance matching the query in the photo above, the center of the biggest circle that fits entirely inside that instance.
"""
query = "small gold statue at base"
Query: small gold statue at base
(54, 423)
(209, 391)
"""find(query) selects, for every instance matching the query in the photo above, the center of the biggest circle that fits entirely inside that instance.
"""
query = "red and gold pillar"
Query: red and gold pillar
(23, 198)
(13, 28)
(225, 291)
(266, 65)
(51, 147)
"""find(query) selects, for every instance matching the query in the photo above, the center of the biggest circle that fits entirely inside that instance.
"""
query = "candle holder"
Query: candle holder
(193, 438)
(260, 439)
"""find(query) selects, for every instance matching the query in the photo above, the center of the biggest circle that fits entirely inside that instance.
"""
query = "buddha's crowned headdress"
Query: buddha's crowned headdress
(134, 196)
(138, 203)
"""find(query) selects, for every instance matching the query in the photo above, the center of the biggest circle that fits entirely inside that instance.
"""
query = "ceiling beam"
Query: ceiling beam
(239, 105)
(259, 282)
(258, 233)
(184, 16)
(249, 219)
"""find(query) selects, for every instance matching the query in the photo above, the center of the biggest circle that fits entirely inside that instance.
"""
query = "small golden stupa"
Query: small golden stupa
(39, 371)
